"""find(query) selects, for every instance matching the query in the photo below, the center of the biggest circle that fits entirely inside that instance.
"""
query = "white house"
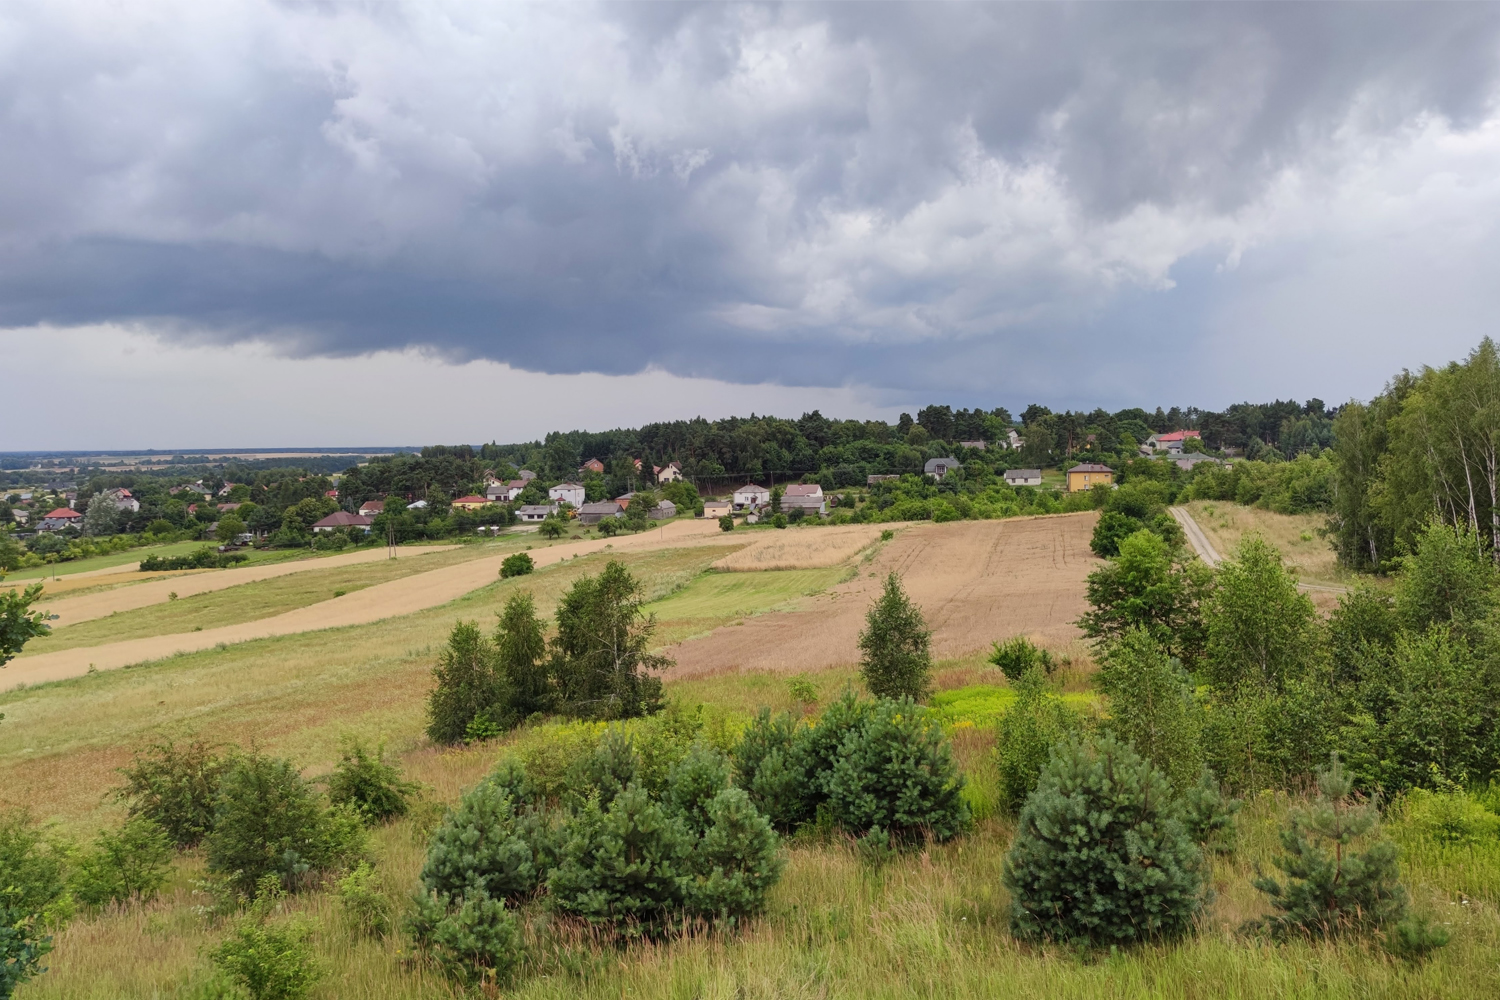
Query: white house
(716, 508)
(937, 468)
(60, 518)
(807, 497)
(750, 496)
(535, 511)
(568, 493)
(505, 491)
(1023, 477)
(669, 473)
(122, 500)
(343, 519)
(1172, 443)
(1014, 439)
(419, 505)
(371, 507)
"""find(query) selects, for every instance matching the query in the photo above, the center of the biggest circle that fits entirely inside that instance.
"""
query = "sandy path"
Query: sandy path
(72, 610)
(1196, 537)
(384, 600)
(976, 581)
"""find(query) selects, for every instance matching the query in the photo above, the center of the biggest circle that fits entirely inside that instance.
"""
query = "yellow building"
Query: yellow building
(470, 502)
(1088, 475)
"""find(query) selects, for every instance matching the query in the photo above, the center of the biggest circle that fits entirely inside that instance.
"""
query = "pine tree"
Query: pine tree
(1332, 890)
(1100, 856)
(736, 862)
(896, 646)
(493, 845)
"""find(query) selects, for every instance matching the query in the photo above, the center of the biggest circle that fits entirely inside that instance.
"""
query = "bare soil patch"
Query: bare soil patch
(976, 581)
(801, 548)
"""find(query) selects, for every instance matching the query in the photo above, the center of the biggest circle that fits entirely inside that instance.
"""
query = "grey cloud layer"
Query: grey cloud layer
(914, 197)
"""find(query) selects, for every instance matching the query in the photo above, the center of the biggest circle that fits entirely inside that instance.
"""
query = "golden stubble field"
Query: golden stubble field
(976, 581)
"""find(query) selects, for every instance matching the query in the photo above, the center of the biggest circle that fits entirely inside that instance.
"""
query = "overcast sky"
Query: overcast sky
(255, 223)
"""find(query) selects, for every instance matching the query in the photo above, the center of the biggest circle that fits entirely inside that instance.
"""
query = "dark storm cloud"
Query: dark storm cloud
(904, 196)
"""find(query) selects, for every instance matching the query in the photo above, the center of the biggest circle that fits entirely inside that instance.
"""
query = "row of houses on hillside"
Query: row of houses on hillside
(669, 473)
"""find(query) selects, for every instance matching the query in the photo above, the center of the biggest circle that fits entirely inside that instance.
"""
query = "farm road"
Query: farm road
(72, 610)
(1210, 555)
(976, 581)
(386, 600)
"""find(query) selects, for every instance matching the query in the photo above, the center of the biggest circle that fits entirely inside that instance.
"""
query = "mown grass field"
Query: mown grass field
(129, 556)
(930, 924)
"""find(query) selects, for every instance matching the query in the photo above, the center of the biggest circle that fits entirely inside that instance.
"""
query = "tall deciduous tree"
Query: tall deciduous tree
(521, 655)
(1261, 629)
(601, 654)
(895, 645)
(1148, 587)
(101, 516)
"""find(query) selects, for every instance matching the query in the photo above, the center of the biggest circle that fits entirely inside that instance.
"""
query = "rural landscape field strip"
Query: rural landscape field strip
(976, 581)
(386, 600)
(72, 610)
(1195, 536)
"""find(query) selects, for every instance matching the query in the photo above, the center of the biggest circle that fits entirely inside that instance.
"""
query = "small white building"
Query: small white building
(371, 507)
(535, 511)
(1013, 439)
(1023, 477)
(750, 496)
(122, 500)
(669, 473)
(504, 492)
(572, 493)
(716, 508)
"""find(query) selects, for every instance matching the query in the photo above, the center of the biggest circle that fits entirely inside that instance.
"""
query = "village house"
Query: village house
(750, 496)
(593, 513)
(1023, 477)
(226, 507)
(592, 465)
(526, 475)
(122, 500)
(1172, 443)
(532, 512)
(976, 445)
(470, 502)
(1014, 439)
(1088, 475)
(669, 473)
(572, 493)
(506, 492)
(937, 468)
(664, 510)
(716, 508)
(807, 497)
(60, 518)
(225, 490)
(343, 519)
(372, 507)
(418, 505)
(1187, 460)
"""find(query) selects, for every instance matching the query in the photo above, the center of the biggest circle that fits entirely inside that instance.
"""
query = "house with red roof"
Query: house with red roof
(470, 502)
(60, 518)
(1171, 443)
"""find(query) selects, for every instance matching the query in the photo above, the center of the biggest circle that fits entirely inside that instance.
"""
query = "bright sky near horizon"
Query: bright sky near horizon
(251, 223)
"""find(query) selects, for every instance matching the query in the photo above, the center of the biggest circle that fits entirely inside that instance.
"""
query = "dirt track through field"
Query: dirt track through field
(976, 581)
(385, 600)
(72, 610)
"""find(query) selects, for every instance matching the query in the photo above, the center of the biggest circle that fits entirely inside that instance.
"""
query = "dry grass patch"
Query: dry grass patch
(801, 548)
(1297, 536)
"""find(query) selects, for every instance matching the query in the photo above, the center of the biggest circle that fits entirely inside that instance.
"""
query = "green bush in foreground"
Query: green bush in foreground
(174, 786)
(369, 785)
(1100, 856)
(477, 943)
(131, 864)
(1025, 736)
(495, 844)
(269, 961)
(1331, 889)
(269, 821)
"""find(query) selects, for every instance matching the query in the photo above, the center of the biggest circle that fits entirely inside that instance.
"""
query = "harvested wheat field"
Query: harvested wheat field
(801, 548)
(977, 581)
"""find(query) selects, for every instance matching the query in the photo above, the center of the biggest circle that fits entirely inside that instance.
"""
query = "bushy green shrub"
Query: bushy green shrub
(737, 861)
(33, 900)
(606, 772)
(768, 767)
(1332, 889)
(819, 745)
(174, 786)
(130, 864)
(495, 844)
(626, 864)
(1415, 938)
(1262, 631)
(521, 660)
(601, 655)
(270, 961)
(693, 784)
(1026, 736)
(896, 773)
(1017, 655)
(1151, 705)
(517, 564)
(366, 908)
(368, 784)
(548, 754)
(476, 942)
(895, 646)
(269, 821)
(726, 523)
(1099, 855)
(1208, 814)
(23, 944)
(204, 558)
